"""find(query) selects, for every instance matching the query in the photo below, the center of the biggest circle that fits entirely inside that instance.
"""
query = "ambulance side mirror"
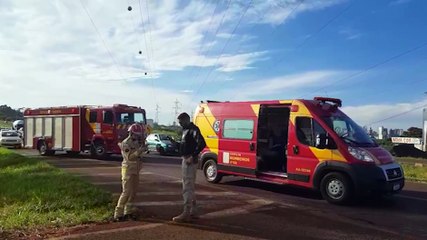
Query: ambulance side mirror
(321, 141)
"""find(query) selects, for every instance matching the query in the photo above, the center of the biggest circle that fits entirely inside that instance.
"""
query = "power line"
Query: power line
(157, 113)
(103, 41)
(216, 33)
(205, 34)
(149, 27)
(150, 59)
(406, 52)
(145, 37)
(136, 26)
(397, 115)
(413, 81)
(149, 32)
(176, 108)
(226, 44)
(319, 30)
(275, 29)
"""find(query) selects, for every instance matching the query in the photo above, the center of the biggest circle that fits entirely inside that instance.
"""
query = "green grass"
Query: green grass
(34, 194)
(412, 172)
(5, 124)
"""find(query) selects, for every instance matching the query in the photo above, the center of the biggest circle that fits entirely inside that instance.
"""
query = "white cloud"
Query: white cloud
(287, 85)
(50, 53)
(276, 12)
(350, 34)
(232, 63)
(187, 91)
(367, 114)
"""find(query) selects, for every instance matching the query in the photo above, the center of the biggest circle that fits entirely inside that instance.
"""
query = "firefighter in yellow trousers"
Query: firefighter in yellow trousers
(132, 148)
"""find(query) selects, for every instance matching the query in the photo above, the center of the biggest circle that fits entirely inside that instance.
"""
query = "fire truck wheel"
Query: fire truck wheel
(98, 150)
(43, 149)
(336, 188)
(210, 169)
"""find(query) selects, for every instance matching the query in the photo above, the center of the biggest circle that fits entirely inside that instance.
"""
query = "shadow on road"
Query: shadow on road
(282, 189)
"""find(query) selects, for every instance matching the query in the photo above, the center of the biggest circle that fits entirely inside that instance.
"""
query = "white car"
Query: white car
(10, 138)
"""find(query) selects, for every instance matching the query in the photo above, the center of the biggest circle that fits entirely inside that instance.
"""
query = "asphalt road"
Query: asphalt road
(238, 208)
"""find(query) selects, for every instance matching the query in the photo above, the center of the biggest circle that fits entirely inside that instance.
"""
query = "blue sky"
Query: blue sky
(281, 49)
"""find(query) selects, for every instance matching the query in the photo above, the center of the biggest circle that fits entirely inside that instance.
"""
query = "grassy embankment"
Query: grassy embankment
(415, 168)
(36, 195)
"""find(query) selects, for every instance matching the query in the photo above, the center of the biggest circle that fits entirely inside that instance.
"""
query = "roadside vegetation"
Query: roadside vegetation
(5, 124)
(36, 195)
(415, 168)
(173, 131)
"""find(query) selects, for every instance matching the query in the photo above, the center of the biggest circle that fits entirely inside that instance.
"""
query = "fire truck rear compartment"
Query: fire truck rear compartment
(57, 132)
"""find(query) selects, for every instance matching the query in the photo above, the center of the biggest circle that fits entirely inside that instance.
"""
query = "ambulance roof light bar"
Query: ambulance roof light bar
(323, 100)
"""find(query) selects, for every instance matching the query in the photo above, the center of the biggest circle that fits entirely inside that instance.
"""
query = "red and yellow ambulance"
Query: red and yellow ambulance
(308, 143)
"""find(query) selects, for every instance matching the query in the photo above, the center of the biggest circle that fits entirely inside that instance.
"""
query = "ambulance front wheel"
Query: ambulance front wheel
(336, 188)
(210, 169)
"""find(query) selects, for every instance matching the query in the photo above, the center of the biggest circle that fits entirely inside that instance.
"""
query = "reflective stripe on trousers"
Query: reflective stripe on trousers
(188, 186)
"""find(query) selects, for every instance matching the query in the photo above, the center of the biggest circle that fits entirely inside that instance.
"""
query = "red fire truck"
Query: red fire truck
(307, 143)
(76, 129)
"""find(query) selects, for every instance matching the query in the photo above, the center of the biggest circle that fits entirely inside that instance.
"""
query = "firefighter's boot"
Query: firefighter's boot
(184, 217)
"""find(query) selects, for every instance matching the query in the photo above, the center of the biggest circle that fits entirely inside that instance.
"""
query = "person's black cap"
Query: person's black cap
(183, 116)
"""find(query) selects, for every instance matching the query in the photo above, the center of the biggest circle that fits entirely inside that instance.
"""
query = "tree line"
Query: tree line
(9, 114)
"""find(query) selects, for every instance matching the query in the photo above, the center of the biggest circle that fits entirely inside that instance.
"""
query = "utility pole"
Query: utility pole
(176, 108)
(157, 114)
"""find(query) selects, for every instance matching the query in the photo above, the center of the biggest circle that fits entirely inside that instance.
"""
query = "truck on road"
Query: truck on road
(306, 143)
(75, 129)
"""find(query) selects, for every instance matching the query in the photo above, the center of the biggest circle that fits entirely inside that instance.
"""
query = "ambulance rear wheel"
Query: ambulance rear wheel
(210, 169)
(336, 188)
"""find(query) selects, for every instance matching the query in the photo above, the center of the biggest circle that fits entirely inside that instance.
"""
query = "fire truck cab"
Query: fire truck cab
(307, 143)
(76, 129)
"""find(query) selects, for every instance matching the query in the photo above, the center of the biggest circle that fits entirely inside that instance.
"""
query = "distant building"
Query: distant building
(395, 132)
(150, 122)
(382, 133)
(425, 129)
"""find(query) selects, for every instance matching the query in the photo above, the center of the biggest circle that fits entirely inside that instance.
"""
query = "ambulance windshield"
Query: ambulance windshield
(130, 118)
(349, 131)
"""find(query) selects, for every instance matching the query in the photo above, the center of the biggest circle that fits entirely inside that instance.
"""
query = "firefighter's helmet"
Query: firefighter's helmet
(136, 129)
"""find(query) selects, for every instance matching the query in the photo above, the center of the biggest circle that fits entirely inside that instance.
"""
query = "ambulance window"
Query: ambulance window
(93, 116)
(108, 117)
(238, 129)
(307, 130)
(304, 131)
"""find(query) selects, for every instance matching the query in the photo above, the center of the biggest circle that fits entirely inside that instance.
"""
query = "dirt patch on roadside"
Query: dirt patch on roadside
(37, 234)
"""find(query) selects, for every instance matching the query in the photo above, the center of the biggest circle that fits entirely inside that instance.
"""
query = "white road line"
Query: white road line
(201, 193)
(84, 174)
(76, 169)
(108, 183)
(116, 230)
(246, 209)
(179, 203)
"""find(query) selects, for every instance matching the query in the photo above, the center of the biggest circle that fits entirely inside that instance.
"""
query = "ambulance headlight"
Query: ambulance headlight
(360, 154)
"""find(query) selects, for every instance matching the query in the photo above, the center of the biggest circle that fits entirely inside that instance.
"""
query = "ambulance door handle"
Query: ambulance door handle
(252, 146)
(296, 149)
